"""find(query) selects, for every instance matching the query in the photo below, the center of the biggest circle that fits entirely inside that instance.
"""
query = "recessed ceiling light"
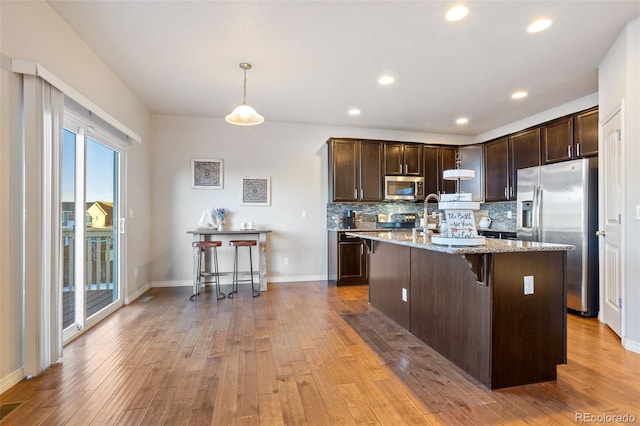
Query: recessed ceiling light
(462, 120)
(539, 25)
(354, 111)
(519, 94)
(385, 79)
(456, 13)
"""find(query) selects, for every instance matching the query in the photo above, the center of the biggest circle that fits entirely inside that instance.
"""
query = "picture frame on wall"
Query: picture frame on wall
(256, 191)
(207, 173)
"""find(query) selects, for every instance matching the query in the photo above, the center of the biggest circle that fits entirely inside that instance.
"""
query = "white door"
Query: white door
(610, 213)
(91, 182)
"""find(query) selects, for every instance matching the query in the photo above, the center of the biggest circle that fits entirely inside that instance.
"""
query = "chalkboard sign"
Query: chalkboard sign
(462, 223)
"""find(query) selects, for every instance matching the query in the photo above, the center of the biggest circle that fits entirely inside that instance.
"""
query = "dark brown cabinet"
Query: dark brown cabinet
(570, 137)
(557, 140)
(447, 162)
(355, 170)
(402, 159)
(497, 169)
(586, 133)
(347, 259)
(502, 159)
(436, 159)
(525, 152)
(432, 173)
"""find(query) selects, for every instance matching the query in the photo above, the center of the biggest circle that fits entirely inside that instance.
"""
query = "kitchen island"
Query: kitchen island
(498, 311)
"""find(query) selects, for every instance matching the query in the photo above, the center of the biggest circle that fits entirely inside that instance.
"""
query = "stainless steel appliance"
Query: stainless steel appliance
(403, 188)
(396, 220)
(557, 203)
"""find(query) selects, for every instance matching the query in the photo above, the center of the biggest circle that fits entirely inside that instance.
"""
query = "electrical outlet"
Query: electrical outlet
(286, 260)
(135, 272)
(509, 214)
(304, 214)
(528, 284)
(404, 294)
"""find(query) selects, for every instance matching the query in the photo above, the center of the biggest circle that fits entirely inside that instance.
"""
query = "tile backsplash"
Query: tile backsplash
(366, 214)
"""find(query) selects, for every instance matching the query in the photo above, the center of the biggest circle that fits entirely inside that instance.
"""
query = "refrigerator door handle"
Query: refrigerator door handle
(536, 212)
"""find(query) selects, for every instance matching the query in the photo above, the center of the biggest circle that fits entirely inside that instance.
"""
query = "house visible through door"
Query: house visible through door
(90, 225)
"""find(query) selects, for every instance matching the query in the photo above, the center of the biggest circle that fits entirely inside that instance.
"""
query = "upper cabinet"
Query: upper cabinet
(403, 159)
(436, 159)
(586, 133)
(431, 169)
(447, 162)
(525, 152)
(571, 137)
(357, 167)
(557, 140)
(497, 169)
(355, 170)
(471, 157)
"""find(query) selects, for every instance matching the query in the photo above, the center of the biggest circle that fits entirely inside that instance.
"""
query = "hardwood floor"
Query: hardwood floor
(302, 353)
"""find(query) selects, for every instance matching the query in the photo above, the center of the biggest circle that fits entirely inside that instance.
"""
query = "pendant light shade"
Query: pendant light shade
(244, 115)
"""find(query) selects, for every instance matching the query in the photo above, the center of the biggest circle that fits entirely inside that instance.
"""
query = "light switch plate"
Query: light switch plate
(528, 284)
(404, 294)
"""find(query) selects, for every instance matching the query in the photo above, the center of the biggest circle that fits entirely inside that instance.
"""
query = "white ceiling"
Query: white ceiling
(313, 60)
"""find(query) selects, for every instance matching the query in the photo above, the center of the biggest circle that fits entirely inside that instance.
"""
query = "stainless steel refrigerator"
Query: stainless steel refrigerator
(558, 203)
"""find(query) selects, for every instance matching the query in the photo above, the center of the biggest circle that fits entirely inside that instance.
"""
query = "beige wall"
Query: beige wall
(293, 155)
(33, 31)
(619, 79)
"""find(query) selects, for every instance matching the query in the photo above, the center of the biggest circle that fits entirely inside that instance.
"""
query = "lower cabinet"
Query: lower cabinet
(347, 259)
(472, 309)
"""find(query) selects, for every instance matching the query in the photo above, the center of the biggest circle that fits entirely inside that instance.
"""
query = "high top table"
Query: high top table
(208, 234)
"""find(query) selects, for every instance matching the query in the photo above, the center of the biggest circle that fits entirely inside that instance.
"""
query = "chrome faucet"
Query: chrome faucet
(426, 213)
(429, 197)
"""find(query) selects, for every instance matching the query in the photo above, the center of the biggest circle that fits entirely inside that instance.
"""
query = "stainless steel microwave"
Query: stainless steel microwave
(403, 188)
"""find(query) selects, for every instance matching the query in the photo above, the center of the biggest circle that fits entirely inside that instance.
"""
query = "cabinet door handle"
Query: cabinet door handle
(578, 153)
(362, 249)
(569, 151)
(511, 191)
(355, 193)
(505, 193)
(361, 193)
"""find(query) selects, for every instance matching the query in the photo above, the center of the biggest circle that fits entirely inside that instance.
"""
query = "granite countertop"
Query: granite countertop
(491, 245)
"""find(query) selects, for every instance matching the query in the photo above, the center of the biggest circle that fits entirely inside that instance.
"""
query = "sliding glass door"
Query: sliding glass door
(91, 226)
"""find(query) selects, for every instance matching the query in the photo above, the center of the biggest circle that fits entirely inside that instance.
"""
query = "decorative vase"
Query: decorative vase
(220, 224)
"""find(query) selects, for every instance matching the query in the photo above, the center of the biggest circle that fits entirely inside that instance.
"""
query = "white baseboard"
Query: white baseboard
(631, 345)
(11, 379)
(177, 283)
(284, 279)
(136, 294)
(294, 278)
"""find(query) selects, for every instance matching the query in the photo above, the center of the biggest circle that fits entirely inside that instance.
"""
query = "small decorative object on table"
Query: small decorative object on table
(221, 214)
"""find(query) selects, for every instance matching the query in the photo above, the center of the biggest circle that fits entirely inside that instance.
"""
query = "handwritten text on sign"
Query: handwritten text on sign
(461, 223)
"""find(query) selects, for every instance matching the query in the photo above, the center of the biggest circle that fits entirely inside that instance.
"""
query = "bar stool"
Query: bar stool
(200, 248)
(234, 286)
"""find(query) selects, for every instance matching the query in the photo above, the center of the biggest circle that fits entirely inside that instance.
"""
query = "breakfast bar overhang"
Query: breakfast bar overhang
(497, 311)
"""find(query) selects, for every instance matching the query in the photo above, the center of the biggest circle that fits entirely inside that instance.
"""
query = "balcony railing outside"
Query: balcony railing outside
(99, 269)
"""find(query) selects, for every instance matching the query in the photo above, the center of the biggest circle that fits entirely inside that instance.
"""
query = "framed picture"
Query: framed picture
(207, 173)
(256, 191)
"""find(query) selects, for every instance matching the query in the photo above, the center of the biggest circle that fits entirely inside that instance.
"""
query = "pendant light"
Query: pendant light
(244, 115)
